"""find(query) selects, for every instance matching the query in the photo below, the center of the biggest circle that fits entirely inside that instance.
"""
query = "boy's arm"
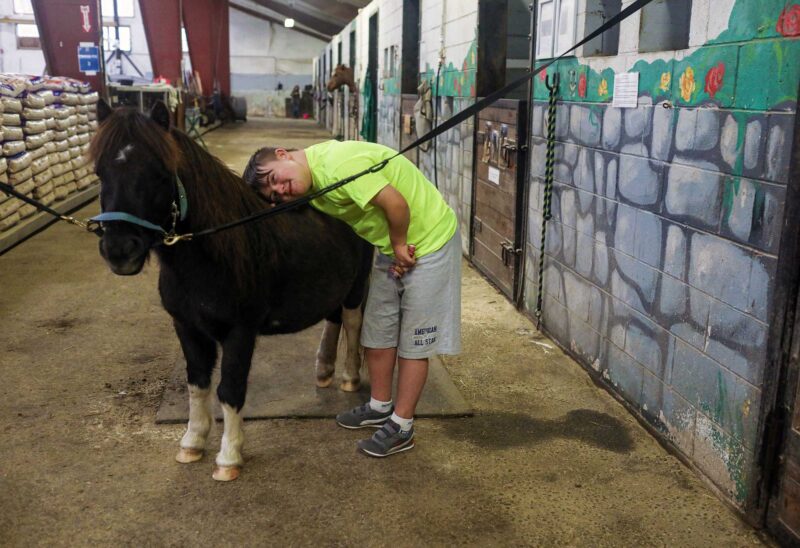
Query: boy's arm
(398, 217)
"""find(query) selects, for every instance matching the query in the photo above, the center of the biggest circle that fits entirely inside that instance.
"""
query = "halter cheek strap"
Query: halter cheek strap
(179, 211)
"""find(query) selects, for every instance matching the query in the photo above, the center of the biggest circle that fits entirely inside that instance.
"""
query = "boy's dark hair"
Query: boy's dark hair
(261, 156)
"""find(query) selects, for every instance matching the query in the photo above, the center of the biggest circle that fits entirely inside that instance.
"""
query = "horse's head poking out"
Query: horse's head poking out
(342, 76)
(136, 160)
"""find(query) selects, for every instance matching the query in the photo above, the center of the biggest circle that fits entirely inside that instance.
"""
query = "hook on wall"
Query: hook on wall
(556, 81)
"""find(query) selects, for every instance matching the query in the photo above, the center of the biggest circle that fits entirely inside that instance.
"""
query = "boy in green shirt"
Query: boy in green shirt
(413, 309)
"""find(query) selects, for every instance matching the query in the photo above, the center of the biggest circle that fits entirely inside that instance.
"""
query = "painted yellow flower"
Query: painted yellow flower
(688, 84)
(666, 79)
(602, 89)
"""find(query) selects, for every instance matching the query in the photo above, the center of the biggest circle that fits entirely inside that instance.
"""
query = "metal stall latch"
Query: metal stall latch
(508, 253)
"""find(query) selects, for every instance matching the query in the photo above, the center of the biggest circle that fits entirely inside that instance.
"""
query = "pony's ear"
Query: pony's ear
(160, 115)
(103, 110)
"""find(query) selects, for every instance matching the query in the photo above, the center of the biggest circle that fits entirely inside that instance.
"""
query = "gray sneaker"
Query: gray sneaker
(363, 416)
(388, 441)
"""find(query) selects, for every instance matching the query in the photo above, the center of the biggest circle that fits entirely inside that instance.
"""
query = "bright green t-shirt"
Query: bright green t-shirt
(432, 221)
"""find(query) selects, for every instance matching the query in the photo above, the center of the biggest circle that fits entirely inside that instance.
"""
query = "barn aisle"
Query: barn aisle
(547, 459)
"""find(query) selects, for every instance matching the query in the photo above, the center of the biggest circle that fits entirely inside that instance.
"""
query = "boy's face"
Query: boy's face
(283, 179)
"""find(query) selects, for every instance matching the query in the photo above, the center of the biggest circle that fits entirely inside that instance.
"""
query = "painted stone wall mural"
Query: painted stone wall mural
(662, 251)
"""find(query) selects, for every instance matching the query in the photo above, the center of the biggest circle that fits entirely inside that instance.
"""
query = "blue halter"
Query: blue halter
(179, 211)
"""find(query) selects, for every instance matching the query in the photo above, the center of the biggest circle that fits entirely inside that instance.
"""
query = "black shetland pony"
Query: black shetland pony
(279, 275)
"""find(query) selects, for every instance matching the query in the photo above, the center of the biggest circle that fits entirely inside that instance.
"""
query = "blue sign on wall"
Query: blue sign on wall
(89, 59)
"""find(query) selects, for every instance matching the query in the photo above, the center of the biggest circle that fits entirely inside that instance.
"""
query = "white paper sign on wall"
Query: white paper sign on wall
(626, 90)
(494, 175)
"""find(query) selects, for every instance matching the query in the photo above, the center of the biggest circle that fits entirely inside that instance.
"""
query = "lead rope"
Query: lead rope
(548, 185)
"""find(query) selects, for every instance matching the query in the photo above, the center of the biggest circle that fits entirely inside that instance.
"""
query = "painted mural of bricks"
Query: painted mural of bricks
(667, 222)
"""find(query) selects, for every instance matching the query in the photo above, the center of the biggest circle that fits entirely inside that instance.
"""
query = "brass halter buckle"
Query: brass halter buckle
(172, 239)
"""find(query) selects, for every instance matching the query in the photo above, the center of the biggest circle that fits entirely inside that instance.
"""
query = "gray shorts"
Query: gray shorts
(419, 314)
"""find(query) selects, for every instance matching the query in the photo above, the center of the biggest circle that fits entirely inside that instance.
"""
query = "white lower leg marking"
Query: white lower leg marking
(199, 418)
(326, 353)
(351, 318)
(230, 453)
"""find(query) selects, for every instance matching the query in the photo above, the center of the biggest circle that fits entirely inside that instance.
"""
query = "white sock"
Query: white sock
(380, 406)
(405, 424)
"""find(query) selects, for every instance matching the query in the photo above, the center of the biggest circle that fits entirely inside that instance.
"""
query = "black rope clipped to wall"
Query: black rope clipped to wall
(548, 185)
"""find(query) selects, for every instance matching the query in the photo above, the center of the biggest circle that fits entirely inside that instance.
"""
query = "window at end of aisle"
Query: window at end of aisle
(28, 36)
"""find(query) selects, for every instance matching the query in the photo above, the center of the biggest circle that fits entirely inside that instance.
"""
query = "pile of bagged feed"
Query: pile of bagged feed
(46, 124)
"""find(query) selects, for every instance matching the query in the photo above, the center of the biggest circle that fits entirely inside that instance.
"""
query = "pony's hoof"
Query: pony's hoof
(188, 455)
(350, 386)
(226, 473)
(324, 382)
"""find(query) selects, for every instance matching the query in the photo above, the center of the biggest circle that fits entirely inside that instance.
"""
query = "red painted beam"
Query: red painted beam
(63, 24)
(162, 27)
(206, 23)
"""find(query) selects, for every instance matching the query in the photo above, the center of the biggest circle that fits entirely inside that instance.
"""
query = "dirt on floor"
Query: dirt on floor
(548, 458)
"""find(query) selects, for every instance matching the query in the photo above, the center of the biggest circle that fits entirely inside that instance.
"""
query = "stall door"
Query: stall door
(499, 167)
(783, 517)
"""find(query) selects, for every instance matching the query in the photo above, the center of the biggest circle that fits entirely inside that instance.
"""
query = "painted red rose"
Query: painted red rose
(789, 21)
(714, 78)
(543, 76)
(582, 85)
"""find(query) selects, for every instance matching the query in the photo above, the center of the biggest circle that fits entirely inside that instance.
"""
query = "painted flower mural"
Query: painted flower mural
(714, 78)
(582, 85)
(688, 84)
(666, 79)
(602, 89)
(789, 21)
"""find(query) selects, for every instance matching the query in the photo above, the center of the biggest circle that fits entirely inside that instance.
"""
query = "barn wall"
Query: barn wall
(450, 27)
(662, 251)
(457, 40)
(661, 255)
(390, 24)
(265, 53)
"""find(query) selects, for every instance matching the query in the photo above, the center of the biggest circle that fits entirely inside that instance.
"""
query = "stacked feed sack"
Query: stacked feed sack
(87, 124)
(19, 173)
(38, 129)
(64, 111)
(8, 205)
(46, 125)
(50, 146)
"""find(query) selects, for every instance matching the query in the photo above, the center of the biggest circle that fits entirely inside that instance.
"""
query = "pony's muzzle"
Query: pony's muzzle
(125, 254)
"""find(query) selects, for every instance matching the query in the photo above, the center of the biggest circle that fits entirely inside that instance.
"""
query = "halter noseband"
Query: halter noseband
(180, 207)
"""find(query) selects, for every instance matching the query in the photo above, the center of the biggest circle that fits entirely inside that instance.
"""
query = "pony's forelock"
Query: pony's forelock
(127, 126)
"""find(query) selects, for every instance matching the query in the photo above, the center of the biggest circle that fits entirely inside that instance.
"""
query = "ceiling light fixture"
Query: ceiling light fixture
(288, 23)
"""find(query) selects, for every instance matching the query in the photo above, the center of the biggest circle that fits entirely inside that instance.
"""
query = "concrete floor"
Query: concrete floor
(548, 459)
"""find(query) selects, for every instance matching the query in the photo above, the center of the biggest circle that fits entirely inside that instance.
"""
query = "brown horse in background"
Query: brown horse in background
(343, 76)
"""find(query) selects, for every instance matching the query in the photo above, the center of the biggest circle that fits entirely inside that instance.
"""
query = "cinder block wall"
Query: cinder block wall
(661, 254)
(390, 40)
(453, 24)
